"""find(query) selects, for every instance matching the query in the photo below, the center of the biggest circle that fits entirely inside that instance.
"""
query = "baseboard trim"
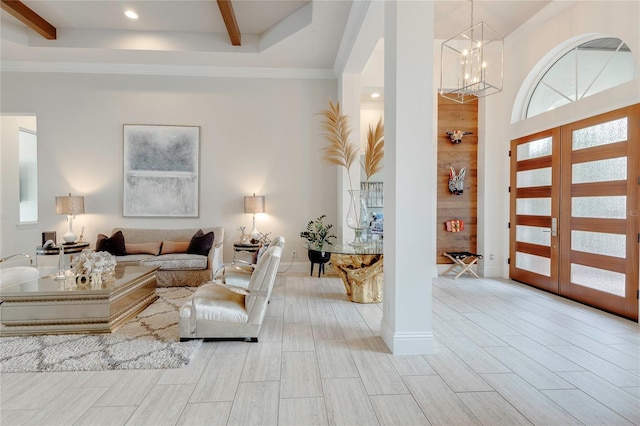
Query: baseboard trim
(493, 271)
(305, 268)
(294, 267)
(407, 343)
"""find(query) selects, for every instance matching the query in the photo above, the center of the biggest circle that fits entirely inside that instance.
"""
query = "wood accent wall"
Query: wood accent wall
(454, 116)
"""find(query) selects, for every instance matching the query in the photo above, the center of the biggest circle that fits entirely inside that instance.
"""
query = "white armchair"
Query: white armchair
(225, 312)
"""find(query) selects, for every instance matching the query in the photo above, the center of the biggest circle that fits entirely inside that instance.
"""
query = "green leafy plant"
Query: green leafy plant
(317, 232)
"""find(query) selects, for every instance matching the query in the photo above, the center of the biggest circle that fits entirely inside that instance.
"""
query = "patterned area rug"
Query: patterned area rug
(151, 340)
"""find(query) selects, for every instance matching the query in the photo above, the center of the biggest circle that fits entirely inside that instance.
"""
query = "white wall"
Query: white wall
(524, 49)
(257, 135)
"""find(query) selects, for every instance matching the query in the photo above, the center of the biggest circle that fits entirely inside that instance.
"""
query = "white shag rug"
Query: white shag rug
(150, 340)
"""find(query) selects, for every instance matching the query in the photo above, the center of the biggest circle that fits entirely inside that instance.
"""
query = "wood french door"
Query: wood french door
(574, 226)
(535, 209)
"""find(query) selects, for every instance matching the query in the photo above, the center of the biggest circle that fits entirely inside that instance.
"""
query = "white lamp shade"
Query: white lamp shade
(70, 205)
(254, 204)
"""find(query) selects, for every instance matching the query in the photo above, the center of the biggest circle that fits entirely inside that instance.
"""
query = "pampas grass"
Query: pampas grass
(374, 153)
(341, 151)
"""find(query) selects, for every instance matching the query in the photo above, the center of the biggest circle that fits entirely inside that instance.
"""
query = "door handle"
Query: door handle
(554, 227)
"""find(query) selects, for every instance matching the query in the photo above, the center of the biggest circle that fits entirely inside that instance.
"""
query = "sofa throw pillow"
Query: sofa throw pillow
(143, 248)
(113, 244)
(200, 243)
(174, 247)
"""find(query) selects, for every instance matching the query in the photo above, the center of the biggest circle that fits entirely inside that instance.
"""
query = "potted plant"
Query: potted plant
(317, 235)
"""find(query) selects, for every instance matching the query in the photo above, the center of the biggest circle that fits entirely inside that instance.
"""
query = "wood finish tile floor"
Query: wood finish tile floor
(506, 354)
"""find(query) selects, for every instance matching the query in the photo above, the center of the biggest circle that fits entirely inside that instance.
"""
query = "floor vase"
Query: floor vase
(358, 215)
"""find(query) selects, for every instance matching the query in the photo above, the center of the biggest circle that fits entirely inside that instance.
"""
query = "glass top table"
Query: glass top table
(372, 247)
(361, 268)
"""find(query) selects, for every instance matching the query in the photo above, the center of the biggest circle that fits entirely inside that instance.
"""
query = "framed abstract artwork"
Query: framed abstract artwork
(161, 171)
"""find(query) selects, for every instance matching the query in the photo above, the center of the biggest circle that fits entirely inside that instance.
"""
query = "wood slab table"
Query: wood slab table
(360, 267)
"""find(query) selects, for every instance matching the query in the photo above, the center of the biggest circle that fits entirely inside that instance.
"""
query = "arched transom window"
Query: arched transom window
(587, 69)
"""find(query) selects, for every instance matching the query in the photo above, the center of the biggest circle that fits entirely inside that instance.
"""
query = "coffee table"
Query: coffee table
(48, 306)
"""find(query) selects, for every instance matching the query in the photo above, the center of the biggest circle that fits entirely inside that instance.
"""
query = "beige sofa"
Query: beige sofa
(176, 269)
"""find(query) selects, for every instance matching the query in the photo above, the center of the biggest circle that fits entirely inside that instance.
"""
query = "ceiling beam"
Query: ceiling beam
(28, 17)
(229, 17)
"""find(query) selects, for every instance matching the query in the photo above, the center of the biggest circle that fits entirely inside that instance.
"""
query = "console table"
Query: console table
(360, 267)
(45, 305)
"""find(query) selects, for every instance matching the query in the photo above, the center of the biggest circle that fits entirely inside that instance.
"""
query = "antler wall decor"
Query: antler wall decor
(456, 181)
(457, 135)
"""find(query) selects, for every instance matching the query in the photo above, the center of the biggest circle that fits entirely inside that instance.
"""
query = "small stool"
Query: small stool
(459, 258)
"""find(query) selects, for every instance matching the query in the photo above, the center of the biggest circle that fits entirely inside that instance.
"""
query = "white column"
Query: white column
(410, 177)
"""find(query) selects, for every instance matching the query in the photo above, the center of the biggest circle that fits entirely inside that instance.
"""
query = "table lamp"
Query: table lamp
(69, 205)
(254, 204)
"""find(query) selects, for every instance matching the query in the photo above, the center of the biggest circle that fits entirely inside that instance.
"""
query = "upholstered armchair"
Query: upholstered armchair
(227, 312)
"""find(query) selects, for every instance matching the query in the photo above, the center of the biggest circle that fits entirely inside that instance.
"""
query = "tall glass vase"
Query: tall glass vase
(358, 215)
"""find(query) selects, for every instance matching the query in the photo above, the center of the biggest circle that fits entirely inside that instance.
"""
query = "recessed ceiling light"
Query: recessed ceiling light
(375, 95)
(131, 14)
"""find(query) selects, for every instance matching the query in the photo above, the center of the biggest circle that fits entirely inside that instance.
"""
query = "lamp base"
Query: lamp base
(255, 235)
(69, 238)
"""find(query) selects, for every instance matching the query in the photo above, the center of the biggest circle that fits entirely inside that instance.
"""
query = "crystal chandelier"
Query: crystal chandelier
(471, 63)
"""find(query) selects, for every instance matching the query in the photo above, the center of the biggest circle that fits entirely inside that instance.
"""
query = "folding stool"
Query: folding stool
(459, 258)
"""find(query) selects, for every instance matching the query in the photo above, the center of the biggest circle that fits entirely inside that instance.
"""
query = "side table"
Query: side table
(240, 248)
(67, 249)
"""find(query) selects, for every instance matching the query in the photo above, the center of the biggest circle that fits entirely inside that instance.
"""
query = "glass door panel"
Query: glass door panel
(534, 235)
(599, 243)
(534, 206)
(534, 177)
(537, 148)
(600, 134)
(600, 171)
(598, 279)
(537, 264)
(602, 207)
